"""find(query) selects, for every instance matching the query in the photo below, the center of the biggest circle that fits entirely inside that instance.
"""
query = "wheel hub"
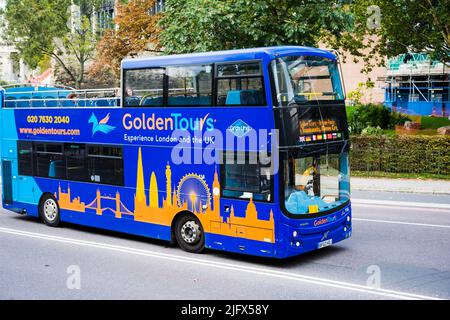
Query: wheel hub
(190, 232)
(50, 209)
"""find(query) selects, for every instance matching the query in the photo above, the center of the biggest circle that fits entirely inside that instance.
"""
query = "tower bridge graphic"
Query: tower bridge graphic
(118, 210)
(147, 208)
(65, 202)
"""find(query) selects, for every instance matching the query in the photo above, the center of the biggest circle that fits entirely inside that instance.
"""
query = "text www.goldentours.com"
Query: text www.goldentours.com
(50, 131)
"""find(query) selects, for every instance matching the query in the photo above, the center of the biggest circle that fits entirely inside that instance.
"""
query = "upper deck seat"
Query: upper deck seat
(102, 103)
(132, 101)
(190, 101)
(152, 102)
(25, 103)
(51, 102)
(10, 102)
(67, 103)
(37, 102)
(244, 97)
(221, 100)
(82, 103)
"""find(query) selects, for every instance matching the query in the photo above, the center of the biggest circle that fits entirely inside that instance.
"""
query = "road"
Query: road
(406, 247)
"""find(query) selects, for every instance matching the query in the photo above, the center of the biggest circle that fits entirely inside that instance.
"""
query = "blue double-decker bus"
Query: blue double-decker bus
(243, 151)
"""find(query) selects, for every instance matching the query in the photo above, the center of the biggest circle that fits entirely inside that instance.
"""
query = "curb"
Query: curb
(400, 190)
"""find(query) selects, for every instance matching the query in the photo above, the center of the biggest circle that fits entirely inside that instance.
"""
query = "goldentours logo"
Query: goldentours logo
(322, 221)
(100, 126)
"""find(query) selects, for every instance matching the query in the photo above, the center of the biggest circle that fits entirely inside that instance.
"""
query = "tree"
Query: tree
(192, 25)
(135, 32)
(48, 29)
(404, 26)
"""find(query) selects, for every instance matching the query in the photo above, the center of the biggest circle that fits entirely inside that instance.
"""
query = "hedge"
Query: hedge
(401, 154)
(433, 122)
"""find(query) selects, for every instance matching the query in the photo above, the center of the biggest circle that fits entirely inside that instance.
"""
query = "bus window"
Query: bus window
(144, 87)
(239, 69)
(300, 79)
(49, 160)
(25, 157)
(105, 165)
(240, 84)
(76, 162)
(190, 86)
(316, 183)
(247, 180)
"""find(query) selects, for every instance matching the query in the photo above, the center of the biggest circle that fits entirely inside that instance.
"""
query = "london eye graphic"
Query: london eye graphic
(193, 190)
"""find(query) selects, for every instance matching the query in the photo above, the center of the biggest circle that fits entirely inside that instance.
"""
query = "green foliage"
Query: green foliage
(193, 25)
(372, 115)
(433, 122)
(405, 26)
(401, 154)
(372, 131)
(32, 25)
(40, 29)
(360, 91)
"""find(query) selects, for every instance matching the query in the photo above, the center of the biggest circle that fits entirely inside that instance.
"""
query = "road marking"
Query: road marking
(226, 266)
(405, 223)
(404, 204)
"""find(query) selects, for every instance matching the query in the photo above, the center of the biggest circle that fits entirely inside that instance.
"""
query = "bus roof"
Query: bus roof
(224, 56)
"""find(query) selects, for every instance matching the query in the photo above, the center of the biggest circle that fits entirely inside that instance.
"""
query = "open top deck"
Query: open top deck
(58, 96)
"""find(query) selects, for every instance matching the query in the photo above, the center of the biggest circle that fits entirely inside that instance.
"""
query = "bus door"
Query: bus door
(7, 182)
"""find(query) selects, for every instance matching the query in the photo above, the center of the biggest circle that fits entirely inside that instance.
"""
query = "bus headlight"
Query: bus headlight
(295, 234)
(348, 218)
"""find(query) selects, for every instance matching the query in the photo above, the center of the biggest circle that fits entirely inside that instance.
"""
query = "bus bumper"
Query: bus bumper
(294, 240)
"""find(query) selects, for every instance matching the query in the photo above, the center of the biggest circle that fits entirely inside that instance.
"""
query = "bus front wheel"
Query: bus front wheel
(189, 234)
(49, 210)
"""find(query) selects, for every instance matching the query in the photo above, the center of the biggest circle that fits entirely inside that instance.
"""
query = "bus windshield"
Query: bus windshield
(299, 79)
(316, 183)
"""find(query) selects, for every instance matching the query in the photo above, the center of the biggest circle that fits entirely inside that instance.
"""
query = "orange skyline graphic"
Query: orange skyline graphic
(148, 210)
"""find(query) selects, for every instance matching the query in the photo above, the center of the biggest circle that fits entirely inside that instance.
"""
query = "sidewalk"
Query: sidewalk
(401, 185)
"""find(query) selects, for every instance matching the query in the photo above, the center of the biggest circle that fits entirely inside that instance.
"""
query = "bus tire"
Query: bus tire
(49, 210)
(189, 233)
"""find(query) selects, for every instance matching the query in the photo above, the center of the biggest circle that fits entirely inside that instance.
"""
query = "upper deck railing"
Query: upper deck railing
(16, 96)
(21, 85)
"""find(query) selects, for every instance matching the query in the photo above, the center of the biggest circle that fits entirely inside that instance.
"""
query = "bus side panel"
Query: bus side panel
(128, 226)
(156, 188)
(25, 191)
(239, 245)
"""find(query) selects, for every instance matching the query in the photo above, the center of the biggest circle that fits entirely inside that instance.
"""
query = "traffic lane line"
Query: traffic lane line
(404, 223)
(399, 208)
(226, 266)
(401, 204)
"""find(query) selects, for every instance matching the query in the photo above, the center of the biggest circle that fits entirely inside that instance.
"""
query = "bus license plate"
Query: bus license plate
(325, 243)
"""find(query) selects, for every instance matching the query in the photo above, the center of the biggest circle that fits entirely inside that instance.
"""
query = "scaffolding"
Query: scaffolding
(416, 85)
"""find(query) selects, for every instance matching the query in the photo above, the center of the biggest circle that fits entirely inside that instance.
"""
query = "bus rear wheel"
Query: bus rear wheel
(49, 210)
(189, 234)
